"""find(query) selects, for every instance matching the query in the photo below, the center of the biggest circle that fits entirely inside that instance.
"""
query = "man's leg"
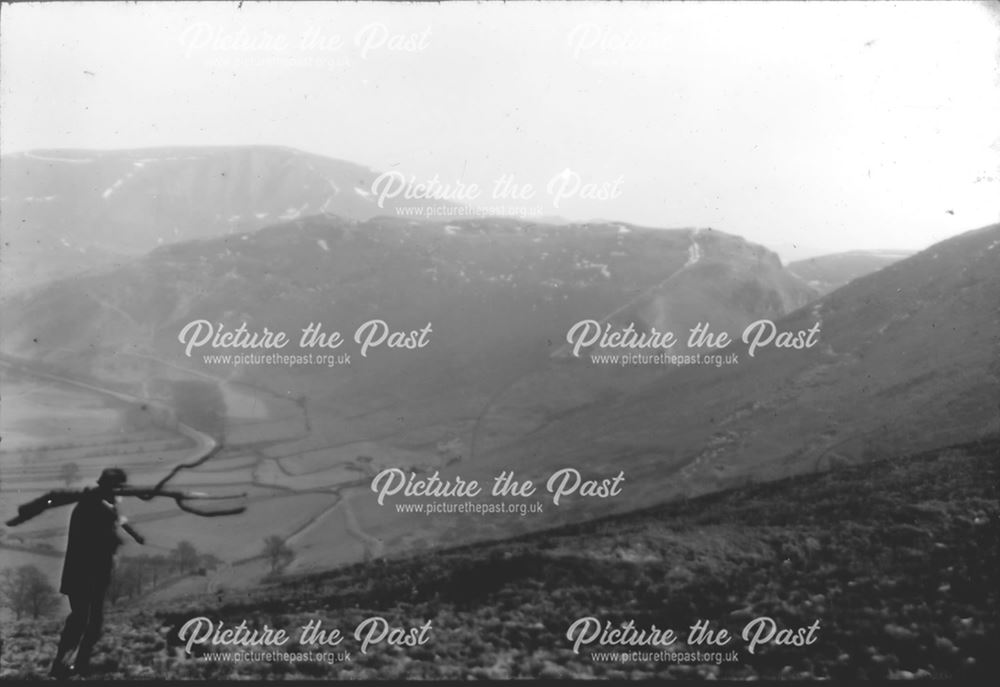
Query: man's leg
(76, 622)
(91, 630)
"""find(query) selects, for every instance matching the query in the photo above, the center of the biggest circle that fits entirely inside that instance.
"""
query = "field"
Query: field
(895, 558)
(60, 433)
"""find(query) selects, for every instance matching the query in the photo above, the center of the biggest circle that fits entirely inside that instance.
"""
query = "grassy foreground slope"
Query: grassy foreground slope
(895, 558)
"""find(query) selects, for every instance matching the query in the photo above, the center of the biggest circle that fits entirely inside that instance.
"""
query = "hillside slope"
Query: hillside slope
(828, 273)
(500, 296)
(907, 358)
(894, 558)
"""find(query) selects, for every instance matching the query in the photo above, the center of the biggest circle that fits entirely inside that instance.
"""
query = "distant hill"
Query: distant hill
(827, 273)
(500, 294)
(67, 211)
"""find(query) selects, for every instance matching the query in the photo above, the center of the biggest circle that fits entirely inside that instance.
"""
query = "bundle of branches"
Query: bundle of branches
(183, 499)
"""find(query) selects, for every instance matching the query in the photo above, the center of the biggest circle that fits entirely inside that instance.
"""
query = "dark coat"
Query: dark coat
(90, 551)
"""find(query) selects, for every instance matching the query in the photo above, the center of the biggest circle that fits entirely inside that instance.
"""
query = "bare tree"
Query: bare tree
(277, 552)
(126, 582)
(209, 561)
(185, 556)
(27, 591)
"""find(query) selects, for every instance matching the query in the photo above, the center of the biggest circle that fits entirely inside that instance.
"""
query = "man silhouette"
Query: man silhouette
(90, 554)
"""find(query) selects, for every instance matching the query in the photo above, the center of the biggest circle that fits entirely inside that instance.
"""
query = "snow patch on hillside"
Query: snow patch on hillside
(694, 250)
(294, 213)
(118, 184)
(587, 264)
(111, 189)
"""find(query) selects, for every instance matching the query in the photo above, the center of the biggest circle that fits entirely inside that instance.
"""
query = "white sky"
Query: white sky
(806, 127)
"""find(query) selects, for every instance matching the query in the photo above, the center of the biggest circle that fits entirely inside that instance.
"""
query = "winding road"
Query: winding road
(204, 444)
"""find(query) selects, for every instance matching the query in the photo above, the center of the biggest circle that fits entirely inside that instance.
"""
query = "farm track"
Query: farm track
(374, 547)
(202, 450)
(204, 444)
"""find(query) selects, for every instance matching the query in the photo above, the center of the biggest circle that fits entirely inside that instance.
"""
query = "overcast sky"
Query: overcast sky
(809, 128)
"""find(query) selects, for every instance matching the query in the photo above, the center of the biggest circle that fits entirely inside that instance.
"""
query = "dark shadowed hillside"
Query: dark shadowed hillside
(895, 559)
(908, 358)
(826, 273)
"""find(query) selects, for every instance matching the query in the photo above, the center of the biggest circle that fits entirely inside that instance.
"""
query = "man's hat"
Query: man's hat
(112, 477)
